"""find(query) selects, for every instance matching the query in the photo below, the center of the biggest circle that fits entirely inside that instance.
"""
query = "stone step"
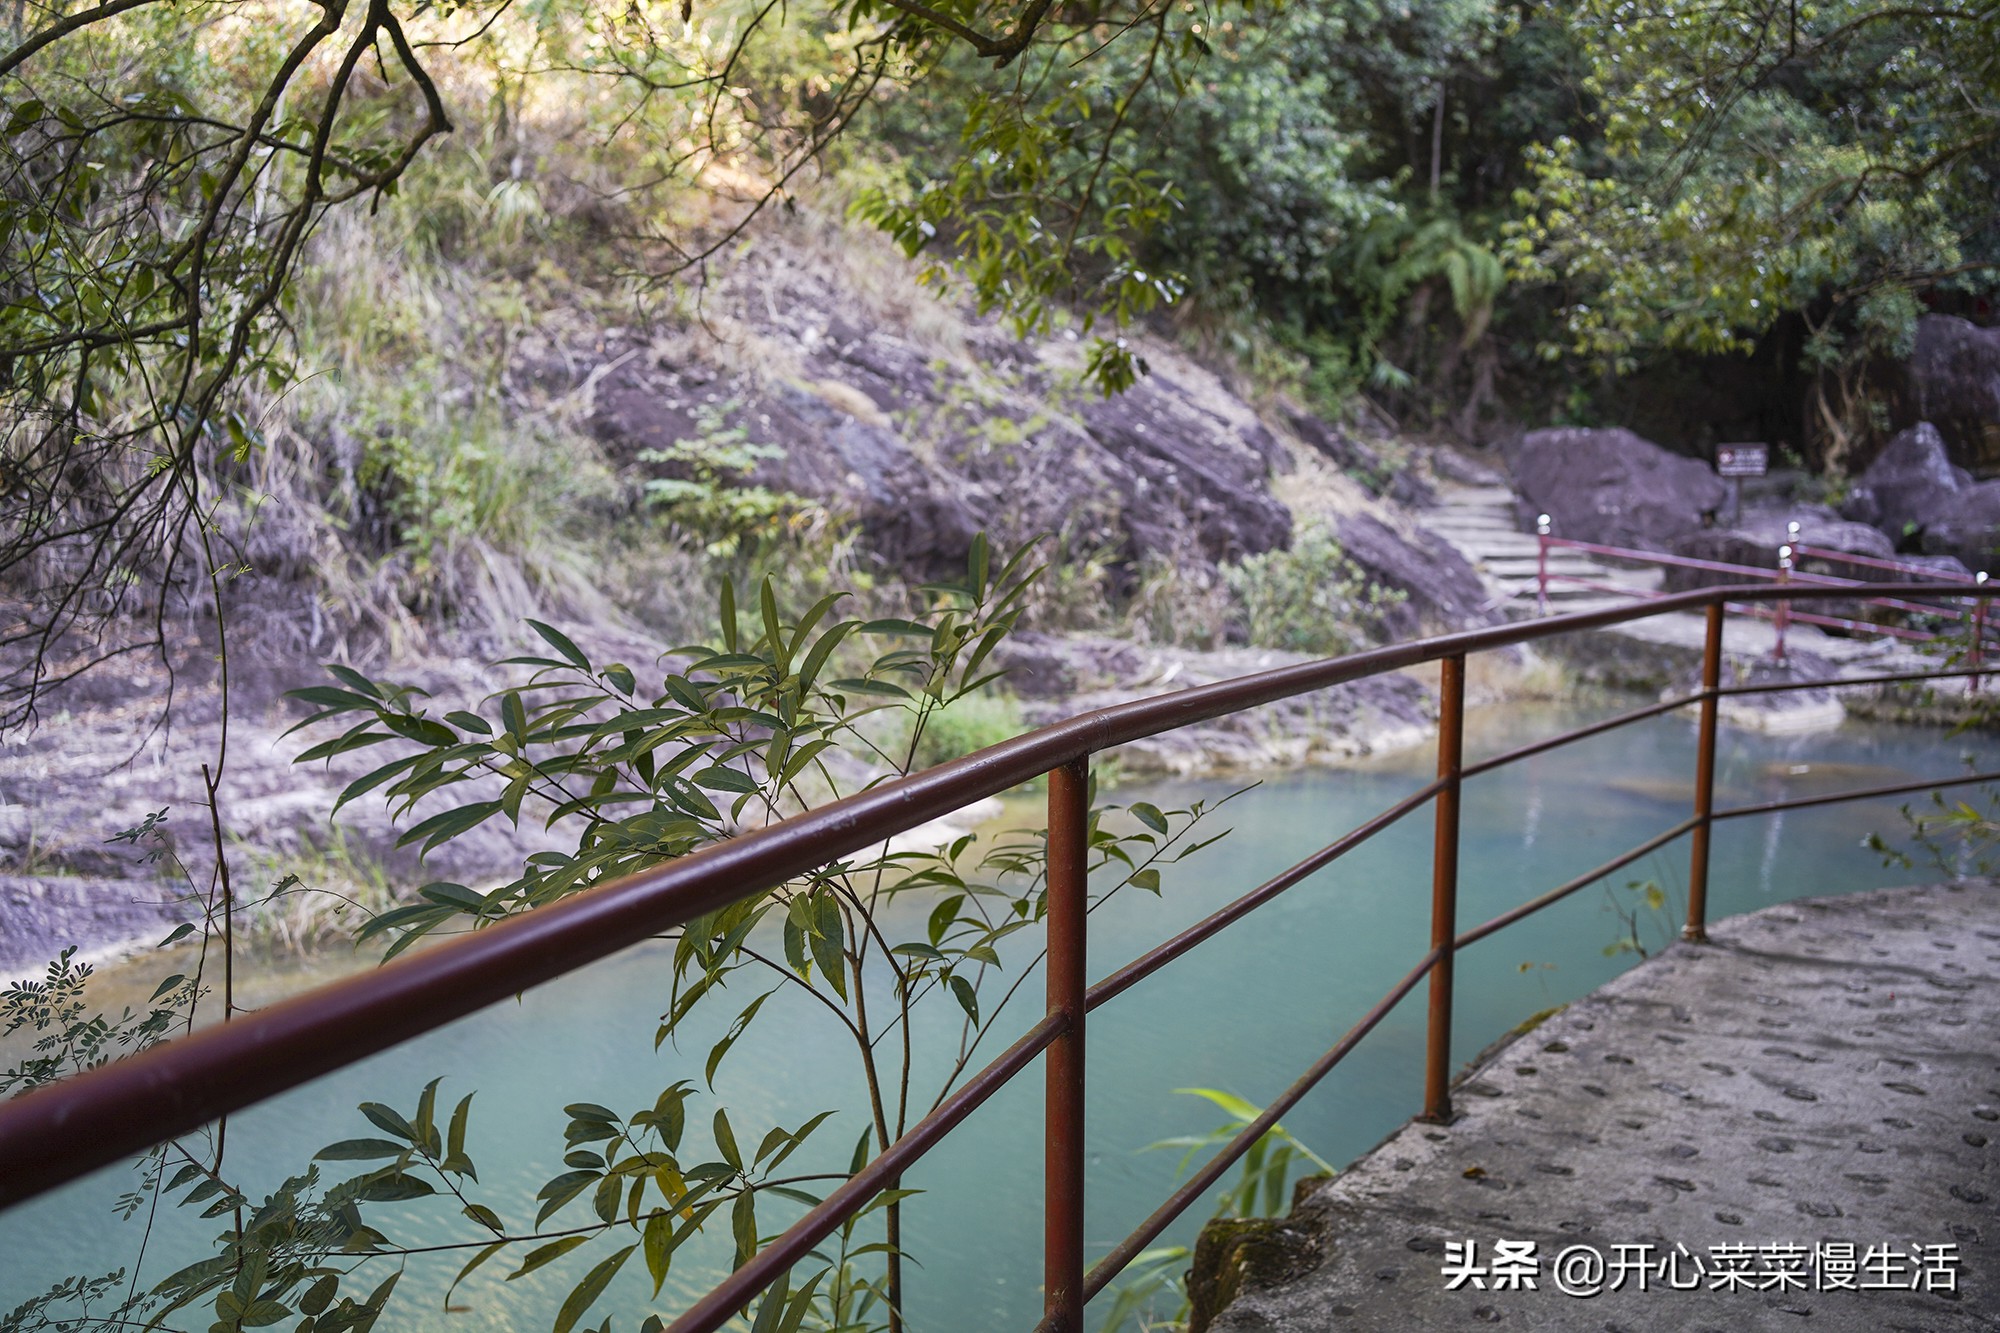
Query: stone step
(1487, 495)
(1619, 579)
(1482, 529)
(1491, 547)
(1467, 517)
(1527, 566)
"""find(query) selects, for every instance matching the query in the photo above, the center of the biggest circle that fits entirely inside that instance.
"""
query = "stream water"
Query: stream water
(1245, 1012)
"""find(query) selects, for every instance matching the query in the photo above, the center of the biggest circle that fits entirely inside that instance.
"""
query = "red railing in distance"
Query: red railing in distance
(1785, 572)
(58, 1133)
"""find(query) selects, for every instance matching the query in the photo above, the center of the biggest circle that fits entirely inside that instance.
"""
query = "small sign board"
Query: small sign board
(1742, 460)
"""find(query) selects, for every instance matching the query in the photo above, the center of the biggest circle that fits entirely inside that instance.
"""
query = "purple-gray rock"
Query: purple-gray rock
(1967, 526)
(1953, 381)
(880, 436)
(1180, 465)
(1755, 538)
(1613, 487)
(1441, 590)
(1907, 485)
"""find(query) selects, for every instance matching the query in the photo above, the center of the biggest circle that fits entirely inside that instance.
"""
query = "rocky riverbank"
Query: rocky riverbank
(822, 368)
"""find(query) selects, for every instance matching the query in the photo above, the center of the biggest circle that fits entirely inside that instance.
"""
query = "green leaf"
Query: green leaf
(827, 939)
(717, 778)
(660, 1242)
(688, 797)
(360, 1150)
(795, 947)
(605, 1203)
(721, 1048)
(793, 1140)
(326, 696)
(743, 1226)
(967, 998)
(1228, 1101)
(771, 1311)
(560, 642)
(588, 1290)
(440, 828)
(547, 1254)
(801, 1304)
(455, 1140)
(942, 917)
(319, 1294)
(881, 687)
(726, 615)
(454, 895)
(725, 1140)
(774, 635)
(561, 1190)
(361, 786)
(484, 1254)
(1149, 815)
(394, 1187)
(485, 1216)
(822, 649)
(383, 1117)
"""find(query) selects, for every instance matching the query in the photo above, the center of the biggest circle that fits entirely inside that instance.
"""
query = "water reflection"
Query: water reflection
(1244, 1012)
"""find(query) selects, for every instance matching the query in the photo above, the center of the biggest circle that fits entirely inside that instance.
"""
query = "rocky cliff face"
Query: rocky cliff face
(926, 440)
(875, 400)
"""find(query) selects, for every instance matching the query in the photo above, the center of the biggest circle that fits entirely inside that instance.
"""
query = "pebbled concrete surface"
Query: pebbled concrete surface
(1825, 1072)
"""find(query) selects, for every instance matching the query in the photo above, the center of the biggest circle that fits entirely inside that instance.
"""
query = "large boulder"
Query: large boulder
(1441, 591)
(1909, 482)
(1953, 381)
(1613, 487)
(1967, 526)
(1180, 464)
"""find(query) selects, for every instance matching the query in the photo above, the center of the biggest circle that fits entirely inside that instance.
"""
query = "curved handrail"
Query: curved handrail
(58, 1133)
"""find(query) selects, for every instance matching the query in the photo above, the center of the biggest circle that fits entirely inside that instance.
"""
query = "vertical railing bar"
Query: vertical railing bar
(1978, 634)
(1062, 1223)
(1444, 886)
(1781, 614)
(1704, 779)
(1542, 564)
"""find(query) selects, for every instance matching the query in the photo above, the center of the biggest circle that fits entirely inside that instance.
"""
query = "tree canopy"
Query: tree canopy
(1443, 206)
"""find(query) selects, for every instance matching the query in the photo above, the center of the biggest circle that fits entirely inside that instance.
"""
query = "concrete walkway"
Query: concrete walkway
(1799, 1120)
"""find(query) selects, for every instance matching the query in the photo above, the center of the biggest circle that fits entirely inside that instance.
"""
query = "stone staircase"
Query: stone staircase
(1479, 521)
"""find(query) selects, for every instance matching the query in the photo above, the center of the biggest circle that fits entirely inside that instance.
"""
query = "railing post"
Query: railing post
(1542, 564)
(1978, 658)
(1062, 1224)
(1783, 615)
(1444, 887)
(1704, 780)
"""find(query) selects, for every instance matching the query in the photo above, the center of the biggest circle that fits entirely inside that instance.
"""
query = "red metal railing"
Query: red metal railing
(1785, 572)
(58, 1133)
